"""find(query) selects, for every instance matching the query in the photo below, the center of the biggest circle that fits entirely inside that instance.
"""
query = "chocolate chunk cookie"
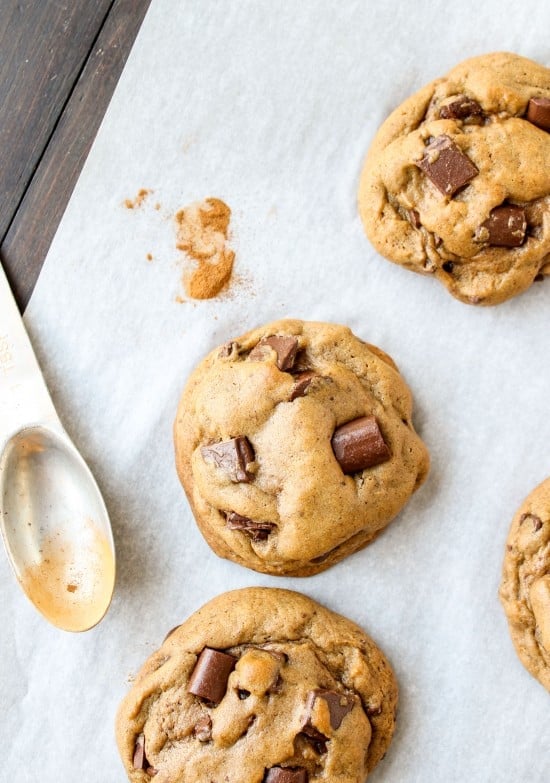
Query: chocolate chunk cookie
(525, 587)
(295, 446)
(259, 686)
(457, 181)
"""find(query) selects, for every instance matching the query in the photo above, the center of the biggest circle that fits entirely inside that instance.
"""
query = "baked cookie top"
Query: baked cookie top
(525, 587)
(457, 181)
(259, 686)
(295, 446)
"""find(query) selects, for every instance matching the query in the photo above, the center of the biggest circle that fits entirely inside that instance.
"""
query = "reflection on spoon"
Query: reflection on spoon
(56, 529)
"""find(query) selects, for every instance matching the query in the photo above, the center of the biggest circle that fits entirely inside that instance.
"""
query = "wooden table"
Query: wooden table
(59, 65)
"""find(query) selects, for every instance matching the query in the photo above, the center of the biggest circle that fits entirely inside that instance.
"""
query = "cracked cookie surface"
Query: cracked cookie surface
(525, 587)
(291, 693)
(295, 446)
(456, 183)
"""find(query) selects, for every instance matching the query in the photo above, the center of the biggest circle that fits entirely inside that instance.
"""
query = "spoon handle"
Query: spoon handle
(24, 398)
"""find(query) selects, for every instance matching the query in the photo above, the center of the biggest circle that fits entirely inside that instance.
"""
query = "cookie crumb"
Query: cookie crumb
(149, 256)
(202, 233)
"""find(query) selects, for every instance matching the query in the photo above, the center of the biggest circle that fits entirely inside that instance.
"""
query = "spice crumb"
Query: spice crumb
(138, 200)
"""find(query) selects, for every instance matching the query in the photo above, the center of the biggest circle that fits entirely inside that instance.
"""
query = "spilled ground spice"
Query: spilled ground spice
(202, 233)
(135, 203)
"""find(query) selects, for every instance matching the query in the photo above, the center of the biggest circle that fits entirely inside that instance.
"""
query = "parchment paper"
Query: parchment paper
(271, 107)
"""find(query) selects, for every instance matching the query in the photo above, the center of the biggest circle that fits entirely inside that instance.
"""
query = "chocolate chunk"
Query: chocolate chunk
(536, 521)
(538, 112)
(233, 456)
(414, 218)
(286, 775)
(339, 704)
(258, 531)
(175, 628)
(460, 109)
(448, 267)
(285, 348)
(359, 444)
(209, 677)
(203, 729)
(301, 383)
(446, 165)
(140, 760)
(506, 226)
(228, 349)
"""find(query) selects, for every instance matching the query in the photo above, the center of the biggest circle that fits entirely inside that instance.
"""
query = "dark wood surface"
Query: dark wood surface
(59, 65)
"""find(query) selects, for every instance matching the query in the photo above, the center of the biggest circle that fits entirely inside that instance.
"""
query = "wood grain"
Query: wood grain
(43, 45)
(35, 221)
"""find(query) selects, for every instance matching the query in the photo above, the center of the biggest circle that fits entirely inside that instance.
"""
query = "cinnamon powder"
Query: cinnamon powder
(136, 202)
(202, 233)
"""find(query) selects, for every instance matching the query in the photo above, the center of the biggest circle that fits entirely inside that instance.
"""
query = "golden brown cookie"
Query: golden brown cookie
(259, 686)
(295, 446)
(525, 587)
(457, 181)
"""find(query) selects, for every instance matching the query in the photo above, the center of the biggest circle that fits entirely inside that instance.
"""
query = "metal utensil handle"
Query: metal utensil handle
(24, 398)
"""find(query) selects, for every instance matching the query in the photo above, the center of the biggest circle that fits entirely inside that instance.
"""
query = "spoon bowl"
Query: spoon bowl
(56, 528)
(52, 517)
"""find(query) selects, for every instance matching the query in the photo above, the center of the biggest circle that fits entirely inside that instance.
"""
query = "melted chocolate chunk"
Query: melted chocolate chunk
(460, 109)
(232, 456)
(536, 521)
(413, 217)
(230, 348)
(359, 444)
(286, 775)
(285, 347)
(538, 112)
(140, 760)
(339, 704)
(209, 677)
(203, 729)
(447, 166)
(301, 383)
(506, 226)
(258, 531)
(448, 267)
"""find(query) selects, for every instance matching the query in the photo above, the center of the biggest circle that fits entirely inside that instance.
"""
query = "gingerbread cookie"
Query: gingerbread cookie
(525, 587)
(457, 182)
(295, 446)
(259, 686)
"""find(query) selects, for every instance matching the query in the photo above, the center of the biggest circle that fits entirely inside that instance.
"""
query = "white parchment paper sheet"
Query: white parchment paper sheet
(271, 107)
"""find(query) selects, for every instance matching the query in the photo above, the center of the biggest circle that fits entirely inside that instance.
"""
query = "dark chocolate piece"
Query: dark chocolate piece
(233, 456)
(258, 531)
(446, 165)
(286, 775)
(284, 346)
(538, 112)
(339, 704)
(506, 226)
(460, 109)
(228, 349)
(203, 729)
(537, 522)
(140, 760)
(175, 628)
(209, 677)
(414, 218)
(359, 444)
(301, 383)
(448, 267)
